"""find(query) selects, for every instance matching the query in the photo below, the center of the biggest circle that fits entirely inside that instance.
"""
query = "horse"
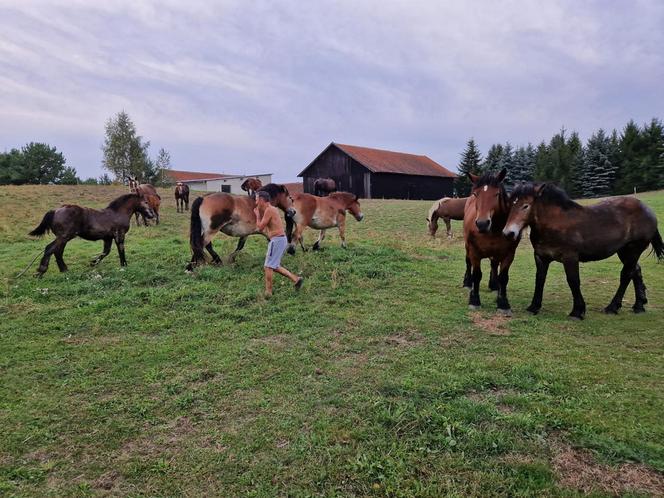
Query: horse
(231, 214)
(564, 231)
(251, 186)
(484, 219)
(324, 186)
(321, 213)
(70, 221)
(447, 208)
(150, 194)
(181, 197)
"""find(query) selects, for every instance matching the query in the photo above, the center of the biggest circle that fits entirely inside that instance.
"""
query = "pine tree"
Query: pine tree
(652, 164)
(470, 163)
(523, 165)
(630, 149)
(493, 158)
(507, 161)
(598, 172)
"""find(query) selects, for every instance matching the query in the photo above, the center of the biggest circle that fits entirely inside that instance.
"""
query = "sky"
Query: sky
(252, 87)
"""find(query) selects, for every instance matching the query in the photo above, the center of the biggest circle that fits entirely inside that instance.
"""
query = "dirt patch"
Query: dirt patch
(495, 395)
(404, 339)
(107, 480)
(277, 341)
(493, 325)
(578, 469)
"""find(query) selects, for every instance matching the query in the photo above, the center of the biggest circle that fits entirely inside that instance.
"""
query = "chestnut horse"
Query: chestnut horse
(562, 230)
(230, 214)
(484, 219)
(150, 194)
(108, 224)
(447, 208)
(251, 186)
(324, 186)
(321, 213)
(181, 197)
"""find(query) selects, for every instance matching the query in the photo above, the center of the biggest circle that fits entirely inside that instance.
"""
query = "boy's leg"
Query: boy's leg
(268, 280)
(283, 271)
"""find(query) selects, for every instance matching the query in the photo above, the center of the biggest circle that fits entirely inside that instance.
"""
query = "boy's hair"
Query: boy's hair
(262, 194)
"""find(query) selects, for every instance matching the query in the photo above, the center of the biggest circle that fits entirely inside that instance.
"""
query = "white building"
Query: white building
(215, 182)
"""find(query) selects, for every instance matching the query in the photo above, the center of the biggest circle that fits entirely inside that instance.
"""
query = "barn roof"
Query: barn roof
(387, 161)
(189, 176)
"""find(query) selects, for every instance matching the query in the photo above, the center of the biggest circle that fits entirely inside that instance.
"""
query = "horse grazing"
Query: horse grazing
(148, 192)
(562, 230)
(251, 186)
(484, 219)
(232, 215)
(181, 197)
(108, 224)
(324, 186)
(321, 213)
(447, 208)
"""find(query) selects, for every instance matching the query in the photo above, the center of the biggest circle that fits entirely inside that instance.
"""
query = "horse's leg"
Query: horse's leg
(341, 222)
(297, 236)
(58, 252)
(108, 242)
(186, 203)
(43, 264)
(574, 282)
(467, 280)
(474, 298)
(448, 225)
(321, 236)
(137, 222)
(629, 264)
(240, 245)
(215, 257)
(119, 242)
(639, 291)
(156, 212)
(493, 276)
(503, 279)
(542, 265)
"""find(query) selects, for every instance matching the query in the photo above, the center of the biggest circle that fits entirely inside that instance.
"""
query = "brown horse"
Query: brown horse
(181, 197)
(324, 186)
(484, 218)
(232, 215)
(251, 186)
(150, 194)
(108, 224)
(447, 208)
(321, 213)
(562, 230)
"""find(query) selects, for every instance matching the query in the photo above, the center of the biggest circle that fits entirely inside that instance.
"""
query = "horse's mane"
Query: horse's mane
(491, 179)
(120, 201)
(549, 194)
(273, 189)
(434, 208)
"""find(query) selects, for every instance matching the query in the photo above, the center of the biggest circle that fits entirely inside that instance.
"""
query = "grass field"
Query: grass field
(374, 380)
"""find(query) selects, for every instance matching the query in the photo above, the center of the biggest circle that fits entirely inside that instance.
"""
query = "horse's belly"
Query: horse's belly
(320, 223)
(239, 229)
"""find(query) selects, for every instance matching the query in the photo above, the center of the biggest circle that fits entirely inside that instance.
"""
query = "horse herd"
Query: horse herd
(493, 222)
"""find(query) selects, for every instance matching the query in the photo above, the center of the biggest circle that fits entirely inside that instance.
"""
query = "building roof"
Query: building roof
(189, 176)
(387, 161)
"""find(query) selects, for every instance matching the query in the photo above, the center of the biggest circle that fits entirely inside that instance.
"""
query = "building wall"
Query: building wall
(395, 186)
(200, 186)
(344, 170)
(234, 184)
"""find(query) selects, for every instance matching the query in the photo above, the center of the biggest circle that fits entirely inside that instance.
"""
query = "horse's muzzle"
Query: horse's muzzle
(511, 232)
(360, 217)
(290, 212)
(483, 225)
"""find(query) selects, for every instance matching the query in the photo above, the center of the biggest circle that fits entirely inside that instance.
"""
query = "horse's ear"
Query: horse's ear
(502, 174)
(539, 189)
(473, 178)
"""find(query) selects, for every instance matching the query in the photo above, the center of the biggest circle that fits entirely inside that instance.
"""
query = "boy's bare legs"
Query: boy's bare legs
(269, 272)
(268, 281)
(283, 271)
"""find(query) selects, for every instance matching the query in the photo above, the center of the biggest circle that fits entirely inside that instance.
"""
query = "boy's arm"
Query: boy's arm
(262, 223)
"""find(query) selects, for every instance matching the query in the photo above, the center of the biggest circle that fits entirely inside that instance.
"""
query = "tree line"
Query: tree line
(125, 154)
(607, 164)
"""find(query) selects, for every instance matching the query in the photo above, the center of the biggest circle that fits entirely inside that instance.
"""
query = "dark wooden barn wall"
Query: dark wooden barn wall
(343, 169)
(395, 186)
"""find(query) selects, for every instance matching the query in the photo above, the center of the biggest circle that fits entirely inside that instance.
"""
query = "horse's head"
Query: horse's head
(351, 204)
(490, 198)
(280, 197)
(521, 208)
(143, 207)
(432, 219)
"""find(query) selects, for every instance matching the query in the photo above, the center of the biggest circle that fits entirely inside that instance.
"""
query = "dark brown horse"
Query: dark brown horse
(484, 219)
(150, 194)
(108, 224)
(447, 208)
(230, 214)
(321, 213)
(251, 186)
(181, 197)
(562, 230)
(324, 186)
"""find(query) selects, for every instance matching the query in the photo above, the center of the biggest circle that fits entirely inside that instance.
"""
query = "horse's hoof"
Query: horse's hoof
(468, 287)
(291, 251)
(532, 310)
(505, 312)
(576, 318)
(315, 247)
(611, 310)
(638, 310)
(474, 307)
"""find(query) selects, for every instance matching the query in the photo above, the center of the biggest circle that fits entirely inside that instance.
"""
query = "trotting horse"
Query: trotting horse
(251, 186)
(232, 215)
(321, 213)
(108, 224)
(181, 197)
(150, 194)
(562, 230)
(324, 186)
(447, 208)
(484, 219)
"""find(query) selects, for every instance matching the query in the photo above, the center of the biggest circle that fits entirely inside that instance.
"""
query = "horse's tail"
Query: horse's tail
(196, 231)
(658, 245)
(46, 223)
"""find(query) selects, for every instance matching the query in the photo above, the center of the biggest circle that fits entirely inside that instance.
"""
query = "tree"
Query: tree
(470, 163)
(631, 146)
(652, 159)
(35, 163)
(162, 164)
(598, 172)
(493, 158)
(105, 180)
(125, 153)
(523, 164)
(90, 181)
(69, 177)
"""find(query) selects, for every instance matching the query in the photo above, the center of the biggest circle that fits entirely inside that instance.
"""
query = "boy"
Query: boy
(269, 222)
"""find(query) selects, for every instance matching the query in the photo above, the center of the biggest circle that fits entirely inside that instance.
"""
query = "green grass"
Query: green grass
(374, 380)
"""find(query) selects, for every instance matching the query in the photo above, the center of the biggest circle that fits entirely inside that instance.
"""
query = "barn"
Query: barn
(375, 173)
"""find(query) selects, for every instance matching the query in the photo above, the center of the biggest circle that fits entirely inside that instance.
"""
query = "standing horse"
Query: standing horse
(447, 208)
(232, 215)
(484, 219)
(150, 194)
(321, 213)
(562, 230)
(108, 224)
(251, 186)
(181, 197)
(324, 186)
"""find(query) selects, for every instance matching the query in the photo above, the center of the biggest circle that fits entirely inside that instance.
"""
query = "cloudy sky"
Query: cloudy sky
(253, 86)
